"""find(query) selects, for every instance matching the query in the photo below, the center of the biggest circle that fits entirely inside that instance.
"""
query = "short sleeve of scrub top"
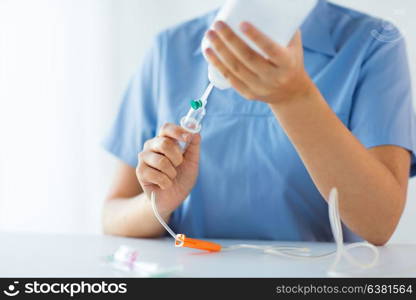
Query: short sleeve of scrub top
(136, 120)
(252, 184)
(382, 112)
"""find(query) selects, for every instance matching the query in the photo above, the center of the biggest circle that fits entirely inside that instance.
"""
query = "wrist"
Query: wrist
(145, 203)
(305, 90)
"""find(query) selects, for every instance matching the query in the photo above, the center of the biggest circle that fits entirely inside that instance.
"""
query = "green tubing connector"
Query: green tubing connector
(196, 104)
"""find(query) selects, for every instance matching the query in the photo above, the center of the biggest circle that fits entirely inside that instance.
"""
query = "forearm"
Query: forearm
(131, 218)
(371, 187)
(370, 196)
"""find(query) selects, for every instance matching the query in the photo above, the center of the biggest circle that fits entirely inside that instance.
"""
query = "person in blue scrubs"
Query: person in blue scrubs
(333, 109)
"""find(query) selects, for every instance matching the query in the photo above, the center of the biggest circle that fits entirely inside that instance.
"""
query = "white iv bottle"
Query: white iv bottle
(278, 19)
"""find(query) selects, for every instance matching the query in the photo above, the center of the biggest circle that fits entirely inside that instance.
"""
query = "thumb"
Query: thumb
(192, 151)
(296, 42)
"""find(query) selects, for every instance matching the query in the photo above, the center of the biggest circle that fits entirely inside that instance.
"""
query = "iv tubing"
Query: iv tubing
(158, 217)
(291, 252)
(205, 96)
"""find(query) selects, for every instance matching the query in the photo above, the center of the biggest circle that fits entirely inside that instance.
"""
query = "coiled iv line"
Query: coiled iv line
(192, 123)
(299, 252)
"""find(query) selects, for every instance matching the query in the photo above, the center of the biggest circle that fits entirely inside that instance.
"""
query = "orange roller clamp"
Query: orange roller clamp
(183, 241)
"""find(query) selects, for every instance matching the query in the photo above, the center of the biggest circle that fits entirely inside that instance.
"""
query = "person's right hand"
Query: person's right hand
(165, 170)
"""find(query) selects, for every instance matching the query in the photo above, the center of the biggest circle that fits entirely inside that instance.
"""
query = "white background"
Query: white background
(63, 67)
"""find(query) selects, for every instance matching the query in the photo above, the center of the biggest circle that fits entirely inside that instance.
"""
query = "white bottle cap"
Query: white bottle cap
(214, 75)
(217, 79)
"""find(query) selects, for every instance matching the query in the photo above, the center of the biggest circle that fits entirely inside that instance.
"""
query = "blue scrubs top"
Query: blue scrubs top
(252, 183)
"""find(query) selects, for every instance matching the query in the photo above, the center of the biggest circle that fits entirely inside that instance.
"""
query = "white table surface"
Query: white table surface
(34, 255)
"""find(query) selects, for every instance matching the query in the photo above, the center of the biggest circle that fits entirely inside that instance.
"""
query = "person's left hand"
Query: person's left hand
(279, 77)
